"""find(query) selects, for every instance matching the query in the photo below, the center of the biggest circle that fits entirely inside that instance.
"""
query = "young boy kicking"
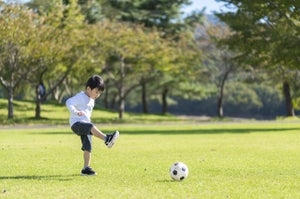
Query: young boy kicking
(81, 106)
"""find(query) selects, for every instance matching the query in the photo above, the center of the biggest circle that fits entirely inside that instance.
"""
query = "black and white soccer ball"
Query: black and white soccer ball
(179, 171)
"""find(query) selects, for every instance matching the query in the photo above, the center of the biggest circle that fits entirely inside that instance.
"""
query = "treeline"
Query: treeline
(151, 55)
(256, 101)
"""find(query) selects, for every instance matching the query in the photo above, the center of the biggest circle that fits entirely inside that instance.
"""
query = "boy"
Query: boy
(81, 106)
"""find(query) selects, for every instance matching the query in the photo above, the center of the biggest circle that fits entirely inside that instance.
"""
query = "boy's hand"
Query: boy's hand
(80, 113)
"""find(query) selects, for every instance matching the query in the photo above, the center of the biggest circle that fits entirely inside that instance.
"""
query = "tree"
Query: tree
(150, 13)
(18, 32)
(134, 56)
(184, 69)
(166, 17)
(63, 48)
(266, 34)
(217, 59)
(91, 10)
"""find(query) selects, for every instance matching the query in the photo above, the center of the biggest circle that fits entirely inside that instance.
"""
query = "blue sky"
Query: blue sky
(211, 5)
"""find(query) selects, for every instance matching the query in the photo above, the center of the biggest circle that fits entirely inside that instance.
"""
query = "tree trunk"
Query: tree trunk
(164, 100)
(106, 94)
(121, 89)
(220, 106)
(38, 102)
(40, 93)
(221, 95)
(10, 103)
(288, 100)
(121, 108)
(144, 97)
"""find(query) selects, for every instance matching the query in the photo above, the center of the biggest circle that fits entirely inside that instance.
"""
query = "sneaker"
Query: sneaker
(88, 171)
(111, 139)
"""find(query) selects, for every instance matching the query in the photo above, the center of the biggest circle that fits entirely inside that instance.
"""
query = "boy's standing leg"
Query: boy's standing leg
(87, 158)
(87, 148)
(87, 170)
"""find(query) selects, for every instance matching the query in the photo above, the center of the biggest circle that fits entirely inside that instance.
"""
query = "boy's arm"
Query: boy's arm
(70, 105)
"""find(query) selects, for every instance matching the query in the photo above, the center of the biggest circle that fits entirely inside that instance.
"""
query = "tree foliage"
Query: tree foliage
(17, 48)
(163, 14)
(265, 30)
(134, 55)
(266, 34)
(146, 47)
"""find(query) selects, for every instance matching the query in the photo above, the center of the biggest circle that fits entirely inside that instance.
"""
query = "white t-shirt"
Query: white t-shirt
(80, 102)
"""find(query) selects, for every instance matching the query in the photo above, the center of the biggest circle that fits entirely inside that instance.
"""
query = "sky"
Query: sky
(210, 5)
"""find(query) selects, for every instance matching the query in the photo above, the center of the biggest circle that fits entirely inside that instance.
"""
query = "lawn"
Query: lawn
(225, 160)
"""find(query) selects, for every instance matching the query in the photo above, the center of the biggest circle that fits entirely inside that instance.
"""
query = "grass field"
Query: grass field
(225, 160)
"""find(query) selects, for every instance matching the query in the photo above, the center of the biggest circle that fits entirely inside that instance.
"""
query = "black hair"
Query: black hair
(95, 82)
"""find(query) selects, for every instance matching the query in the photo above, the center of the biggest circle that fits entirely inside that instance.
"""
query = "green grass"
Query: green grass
(225, 160)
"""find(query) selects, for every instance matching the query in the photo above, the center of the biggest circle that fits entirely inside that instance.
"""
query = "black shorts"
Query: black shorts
(83, 130)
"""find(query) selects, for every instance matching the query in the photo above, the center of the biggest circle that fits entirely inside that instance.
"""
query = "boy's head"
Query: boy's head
(94, 86)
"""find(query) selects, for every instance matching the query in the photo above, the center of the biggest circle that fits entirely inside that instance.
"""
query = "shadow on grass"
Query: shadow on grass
(47, 177)
(209, 131)
(167, 181)
(195, 131)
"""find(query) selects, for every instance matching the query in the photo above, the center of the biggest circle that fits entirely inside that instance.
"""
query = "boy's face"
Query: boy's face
(93, 93)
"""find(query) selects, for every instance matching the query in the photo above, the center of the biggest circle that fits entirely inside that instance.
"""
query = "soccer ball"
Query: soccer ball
(179, 171)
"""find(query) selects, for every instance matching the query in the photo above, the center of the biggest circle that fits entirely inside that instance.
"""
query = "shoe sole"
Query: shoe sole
(113, 140)
(88, 174)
